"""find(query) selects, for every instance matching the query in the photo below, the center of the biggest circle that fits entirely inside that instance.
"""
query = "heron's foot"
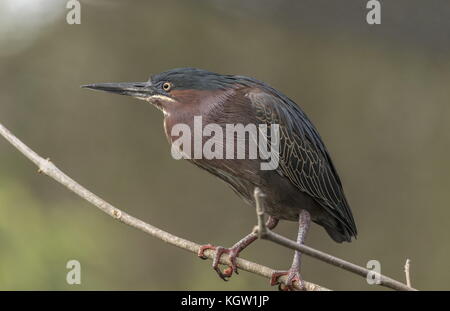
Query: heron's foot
(232, 252)
(293, 276)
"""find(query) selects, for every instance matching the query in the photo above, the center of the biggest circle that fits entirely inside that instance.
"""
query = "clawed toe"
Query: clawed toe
(203, 248)
(292, 277)
(219, 251)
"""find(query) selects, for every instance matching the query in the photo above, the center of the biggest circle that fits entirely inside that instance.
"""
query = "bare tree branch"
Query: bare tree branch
(48, 168)
(267, 234)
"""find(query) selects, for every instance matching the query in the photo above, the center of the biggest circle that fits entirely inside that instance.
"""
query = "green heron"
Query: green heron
(304, 186)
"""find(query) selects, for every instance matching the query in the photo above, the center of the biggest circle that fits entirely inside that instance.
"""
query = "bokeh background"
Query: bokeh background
(379, 96)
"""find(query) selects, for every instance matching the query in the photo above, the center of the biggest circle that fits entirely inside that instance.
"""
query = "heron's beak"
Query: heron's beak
(141, 90)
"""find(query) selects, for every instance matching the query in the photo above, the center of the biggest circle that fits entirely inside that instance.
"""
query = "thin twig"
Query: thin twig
(343, 264)
(46, 167)
(407, 274)
(261, 229)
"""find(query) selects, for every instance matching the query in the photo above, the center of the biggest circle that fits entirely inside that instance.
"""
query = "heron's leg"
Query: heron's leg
(233, 251)
(293, 274)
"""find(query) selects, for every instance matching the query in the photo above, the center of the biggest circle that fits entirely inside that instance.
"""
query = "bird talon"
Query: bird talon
(274, 277)
(225, 274)
(203, 248)
(292, 277)
(228, 272)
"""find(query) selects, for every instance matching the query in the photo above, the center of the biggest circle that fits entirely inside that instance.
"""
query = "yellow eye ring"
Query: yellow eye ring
(167, 86)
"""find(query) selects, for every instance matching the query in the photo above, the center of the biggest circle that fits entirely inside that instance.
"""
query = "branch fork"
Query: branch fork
(267, 234)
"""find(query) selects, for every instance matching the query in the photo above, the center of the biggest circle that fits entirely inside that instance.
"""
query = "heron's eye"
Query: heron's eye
(167, 86)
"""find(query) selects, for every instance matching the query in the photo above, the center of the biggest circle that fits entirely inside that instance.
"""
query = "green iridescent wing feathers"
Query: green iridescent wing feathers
(304, 159)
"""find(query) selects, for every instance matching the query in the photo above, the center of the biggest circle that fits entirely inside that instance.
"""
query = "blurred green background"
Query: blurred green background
(379, 96)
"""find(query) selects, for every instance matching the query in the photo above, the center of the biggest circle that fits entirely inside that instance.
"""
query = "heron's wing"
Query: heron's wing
(304, 159)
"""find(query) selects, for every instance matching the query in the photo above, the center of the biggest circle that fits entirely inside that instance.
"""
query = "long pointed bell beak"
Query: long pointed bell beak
(140, 90)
